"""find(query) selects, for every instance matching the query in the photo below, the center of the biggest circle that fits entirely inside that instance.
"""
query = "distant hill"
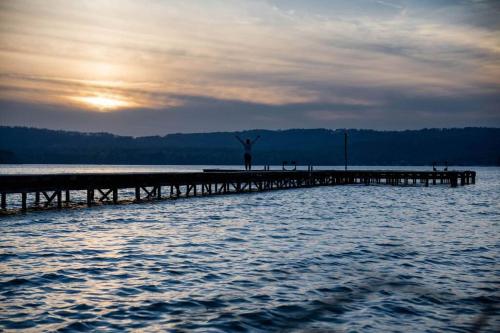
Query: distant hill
(465, 146)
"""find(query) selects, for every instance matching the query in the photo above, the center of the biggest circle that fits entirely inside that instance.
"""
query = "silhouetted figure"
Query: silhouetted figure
(247, 145)
(446, 166)
(434, 166)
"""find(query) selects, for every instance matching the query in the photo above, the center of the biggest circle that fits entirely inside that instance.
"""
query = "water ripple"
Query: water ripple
(365, 259)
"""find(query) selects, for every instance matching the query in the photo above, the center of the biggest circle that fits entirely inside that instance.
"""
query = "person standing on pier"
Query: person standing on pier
(247, 145)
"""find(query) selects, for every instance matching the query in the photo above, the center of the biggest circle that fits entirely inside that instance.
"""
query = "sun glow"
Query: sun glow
(103, 103)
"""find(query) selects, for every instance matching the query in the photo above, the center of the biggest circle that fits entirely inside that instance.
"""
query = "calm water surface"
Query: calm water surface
(346, 258)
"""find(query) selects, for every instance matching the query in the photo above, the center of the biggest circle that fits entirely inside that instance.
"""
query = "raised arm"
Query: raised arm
(239, 139)
(255, 140)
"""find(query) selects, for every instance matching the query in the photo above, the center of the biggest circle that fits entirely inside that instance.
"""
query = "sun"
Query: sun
(103, 103)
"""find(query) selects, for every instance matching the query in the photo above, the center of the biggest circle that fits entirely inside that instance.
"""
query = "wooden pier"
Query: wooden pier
(45, 191)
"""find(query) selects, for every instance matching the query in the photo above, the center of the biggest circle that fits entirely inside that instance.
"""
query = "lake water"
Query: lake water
(344, 258)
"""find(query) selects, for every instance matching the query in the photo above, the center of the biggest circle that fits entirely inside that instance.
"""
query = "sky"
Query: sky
(154, 67)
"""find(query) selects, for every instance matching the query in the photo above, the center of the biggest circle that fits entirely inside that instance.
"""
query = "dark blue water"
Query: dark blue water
(353, 259)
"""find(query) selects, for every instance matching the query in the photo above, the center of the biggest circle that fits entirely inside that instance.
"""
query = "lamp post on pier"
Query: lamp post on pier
(345, 148)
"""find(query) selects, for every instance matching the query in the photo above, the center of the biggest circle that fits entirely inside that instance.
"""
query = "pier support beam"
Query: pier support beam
(4, 201)
(104, 194)
(453, 180)
(90, 197)
(23, 201)
(115, 195)
(59, 199)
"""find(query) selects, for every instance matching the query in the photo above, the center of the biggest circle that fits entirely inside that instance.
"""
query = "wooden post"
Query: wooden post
(67, 197)
(158, 192)
(115, 195)
(37, 198)
(4, 200)
(90, 197)
(345, 149)
(453, 180)
(23, 201)
(59, 199)
(137, 193)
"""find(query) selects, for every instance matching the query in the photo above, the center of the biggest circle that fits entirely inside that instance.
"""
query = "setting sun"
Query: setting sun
(103, 103)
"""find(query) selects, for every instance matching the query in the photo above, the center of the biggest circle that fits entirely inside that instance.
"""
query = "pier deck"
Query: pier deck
(55, 190)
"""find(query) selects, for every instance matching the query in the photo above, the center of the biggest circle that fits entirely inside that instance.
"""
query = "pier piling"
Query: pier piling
(23, 201)
(4, 201)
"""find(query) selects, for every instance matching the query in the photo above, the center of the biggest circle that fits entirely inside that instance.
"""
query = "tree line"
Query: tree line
(457, 146)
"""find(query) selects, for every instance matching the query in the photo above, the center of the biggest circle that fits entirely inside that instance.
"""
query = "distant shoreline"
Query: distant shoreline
(471, 146)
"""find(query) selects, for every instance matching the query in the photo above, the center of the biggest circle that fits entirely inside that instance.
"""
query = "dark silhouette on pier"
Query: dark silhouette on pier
(247, 156)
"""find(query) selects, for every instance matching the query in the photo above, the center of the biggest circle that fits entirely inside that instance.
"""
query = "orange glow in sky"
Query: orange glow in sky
(102, 103)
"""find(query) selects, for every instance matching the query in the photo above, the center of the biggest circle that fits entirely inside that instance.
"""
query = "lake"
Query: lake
(343, 258)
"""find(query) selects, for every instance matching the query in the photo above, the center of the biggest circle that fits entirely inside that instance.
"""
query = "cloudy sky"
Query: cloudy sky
(163, 66)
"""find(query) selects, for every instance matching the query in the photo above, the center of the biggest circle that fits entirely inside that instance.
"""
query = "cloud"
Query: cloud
(295, 62)
(204, 114)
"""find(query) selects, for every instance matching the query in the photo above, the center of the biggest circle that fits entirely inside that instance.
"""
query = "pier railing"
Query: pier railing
(56, 190)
